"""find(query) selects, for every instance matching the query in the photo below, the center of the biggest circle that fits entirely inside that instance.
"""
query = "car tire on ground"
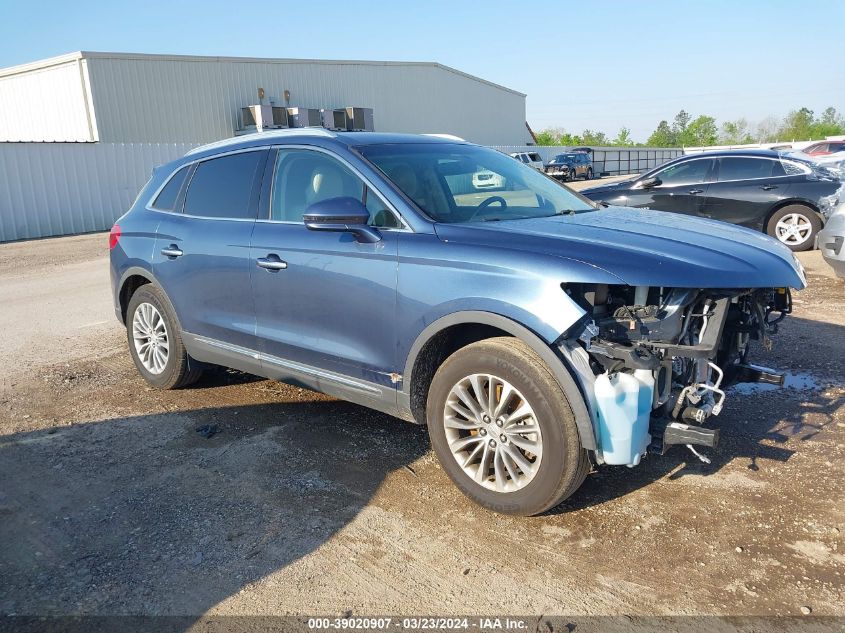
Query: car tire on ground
(155, 341)
(589, 173)
(503, 429)
(795, 226)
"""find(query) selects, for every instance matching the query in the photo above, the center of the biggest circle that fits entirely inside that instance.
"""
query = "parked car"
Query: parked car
(486, 179)
(832, 237)
(532, 159)
(533, 331)
(570, 166)
(761, 189)
(824, 148)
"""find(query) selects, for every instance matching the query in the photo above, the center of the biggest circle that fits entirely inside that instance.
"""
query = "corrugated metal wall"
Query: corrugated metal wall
(157, 98)
(61, 189)
(47, 104)
(611, 160)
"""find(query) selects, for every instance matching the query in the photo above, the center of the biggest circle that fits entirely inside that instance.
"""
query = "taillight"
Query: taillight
(114, 236)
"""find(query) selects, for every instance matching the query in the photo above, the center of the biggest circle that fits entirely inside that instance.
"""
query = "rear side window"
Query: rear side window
(535, 157)
(223, 187)
(747, 168)
(166, 199)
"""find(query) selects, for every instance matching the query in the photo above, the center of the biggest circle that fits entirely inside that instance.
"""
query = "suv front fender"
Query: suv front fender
(565, 368)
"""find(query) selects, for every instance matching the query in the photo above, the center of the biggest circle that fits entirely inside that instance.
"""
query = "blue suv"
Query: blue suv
(535, 333)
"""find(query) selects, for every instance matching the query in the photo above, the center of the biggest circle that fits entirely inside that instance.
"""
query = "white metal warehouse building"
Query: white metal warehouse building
(80, 133)
(134, 98)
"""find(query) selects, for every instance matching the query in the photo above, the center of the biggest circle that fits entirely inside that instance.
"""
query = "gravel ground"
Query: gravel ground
(111, 502)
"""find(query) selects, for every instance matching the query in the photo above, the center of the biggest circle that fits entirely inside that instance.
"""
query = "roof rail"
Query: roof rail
(270, 134)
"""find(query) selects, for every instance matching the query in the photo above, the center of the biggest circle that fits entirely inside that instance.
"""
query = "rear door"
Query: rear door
(201, 255)
(682, 189)
(746, 188)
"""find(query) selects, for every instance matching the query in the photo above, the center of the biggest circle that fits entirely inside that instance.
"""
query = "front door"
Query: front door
(325, 303)
(682, 188)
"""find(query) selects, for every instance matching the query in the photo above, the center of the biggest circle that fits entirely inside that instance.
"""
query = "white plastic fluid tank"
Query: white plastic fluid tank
(623, 407)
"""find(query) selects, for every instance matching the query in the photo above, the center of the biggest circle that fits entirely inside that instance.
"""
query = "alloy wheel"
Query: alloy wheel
(493, 433)
(149, 333)
(794, 229)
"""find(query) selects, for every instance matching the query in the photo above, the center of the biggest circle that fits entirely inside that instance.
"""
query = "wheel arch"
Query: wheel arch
(788, 202)
(132, 279)
(452, 332)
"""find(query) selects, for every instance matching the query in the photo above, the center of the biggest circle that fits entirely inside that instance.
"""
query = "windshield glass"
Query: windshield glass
(467, 183)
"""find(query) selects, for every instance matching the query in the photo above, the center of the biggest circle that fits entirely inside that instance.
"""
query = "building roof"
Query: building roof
(79, 55)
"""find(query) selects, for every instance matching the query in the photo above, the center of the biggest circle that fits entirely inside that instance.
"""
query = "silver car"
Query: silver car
(832, 240)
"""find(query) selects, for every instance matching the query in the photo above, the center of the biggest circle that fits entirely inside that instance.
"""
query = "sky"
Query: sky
(584, 65)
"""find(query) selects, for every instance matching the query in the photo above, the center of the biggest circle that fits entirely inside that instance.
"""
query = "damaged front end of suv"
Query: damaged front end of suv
(660, 359)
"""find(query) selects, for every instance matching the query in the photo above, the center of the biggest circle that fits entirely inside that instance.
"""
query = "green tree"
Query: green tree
(546, 137)
(830, 123)
(679, 126)
(797, 125)
(590, 137)
(700, 132)
(735, 133)
(663, 136)
(623, 139)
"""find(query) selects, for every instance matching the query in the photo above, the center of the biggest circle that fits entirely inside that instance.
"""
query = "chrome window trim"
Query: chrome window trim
(149, 205)
(806, 170)
(405, 228)
(637, 185)
(778, 160)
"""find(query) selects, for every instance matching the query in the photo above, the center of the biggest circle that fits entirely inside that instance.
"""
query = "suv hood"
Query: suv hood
(645, 248)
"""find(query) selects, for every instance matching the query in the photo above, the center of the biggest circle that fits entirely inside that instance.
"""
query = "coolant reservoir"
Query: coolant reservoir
(623, 405)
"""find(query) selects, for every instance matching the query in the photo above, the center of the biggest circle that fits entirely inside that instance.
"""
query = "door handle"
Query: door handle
(768, 187)
(172, 251)
(271, 263)
(694, 191)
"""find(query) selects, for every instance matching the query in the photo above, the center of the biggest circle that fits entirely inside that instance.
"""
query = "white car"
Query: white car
(532, 159)
(486, 179)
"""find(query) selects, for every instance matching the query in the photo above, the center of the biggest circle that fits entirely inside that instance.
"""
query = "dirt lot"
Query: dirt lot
(112, 502)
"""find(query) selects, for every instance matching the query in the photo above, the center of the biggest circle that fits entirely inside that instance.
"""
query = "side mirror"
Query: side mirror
(648, 183)
(345, 215)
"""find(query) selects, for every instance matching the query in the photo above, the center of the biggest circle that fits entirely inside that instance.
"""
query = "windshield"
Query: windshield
(465, 183)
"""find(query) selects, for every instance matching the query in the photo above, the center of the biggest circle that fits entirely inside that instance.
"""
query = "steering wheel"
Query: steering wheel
(486, 203)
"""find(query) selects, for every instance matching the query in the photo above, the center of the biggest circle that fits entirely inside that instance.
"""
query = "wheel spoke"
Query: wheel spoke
(481, 473)
(461, 410)
(504, 399)
(468, 400)
(465, 442)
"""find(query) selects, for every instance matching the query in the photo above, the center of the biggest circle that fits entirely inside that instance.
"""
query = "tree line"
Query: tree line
(685, 131)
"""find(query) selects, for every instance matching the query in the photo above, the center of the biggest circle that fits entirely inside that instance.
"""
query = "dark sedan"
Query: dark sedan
(760, 189)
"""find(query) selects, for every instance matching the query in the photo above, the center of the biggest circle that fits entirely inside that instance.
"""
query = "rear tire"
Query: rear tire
(492, 461)
(155, 341)
(795, 226)
(589, 173)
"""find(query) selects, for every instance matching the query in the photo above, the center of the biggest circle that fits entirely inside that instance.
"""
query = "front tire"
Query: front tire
(795, 226)
(503, 429)
(155, 341)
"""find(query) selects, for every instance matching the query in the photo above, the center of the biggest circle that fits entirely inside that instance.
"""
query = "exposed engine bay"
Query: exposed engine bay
(684, 345)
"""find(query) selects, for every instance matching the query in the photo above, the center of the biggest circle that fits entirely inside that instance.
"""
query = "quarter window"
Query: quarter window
(223, 187)
(166, 199)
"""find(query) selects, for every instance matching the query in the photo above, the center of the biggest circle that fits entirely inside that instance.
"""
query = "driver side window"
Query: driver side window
(686, 173)
(304, 177)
